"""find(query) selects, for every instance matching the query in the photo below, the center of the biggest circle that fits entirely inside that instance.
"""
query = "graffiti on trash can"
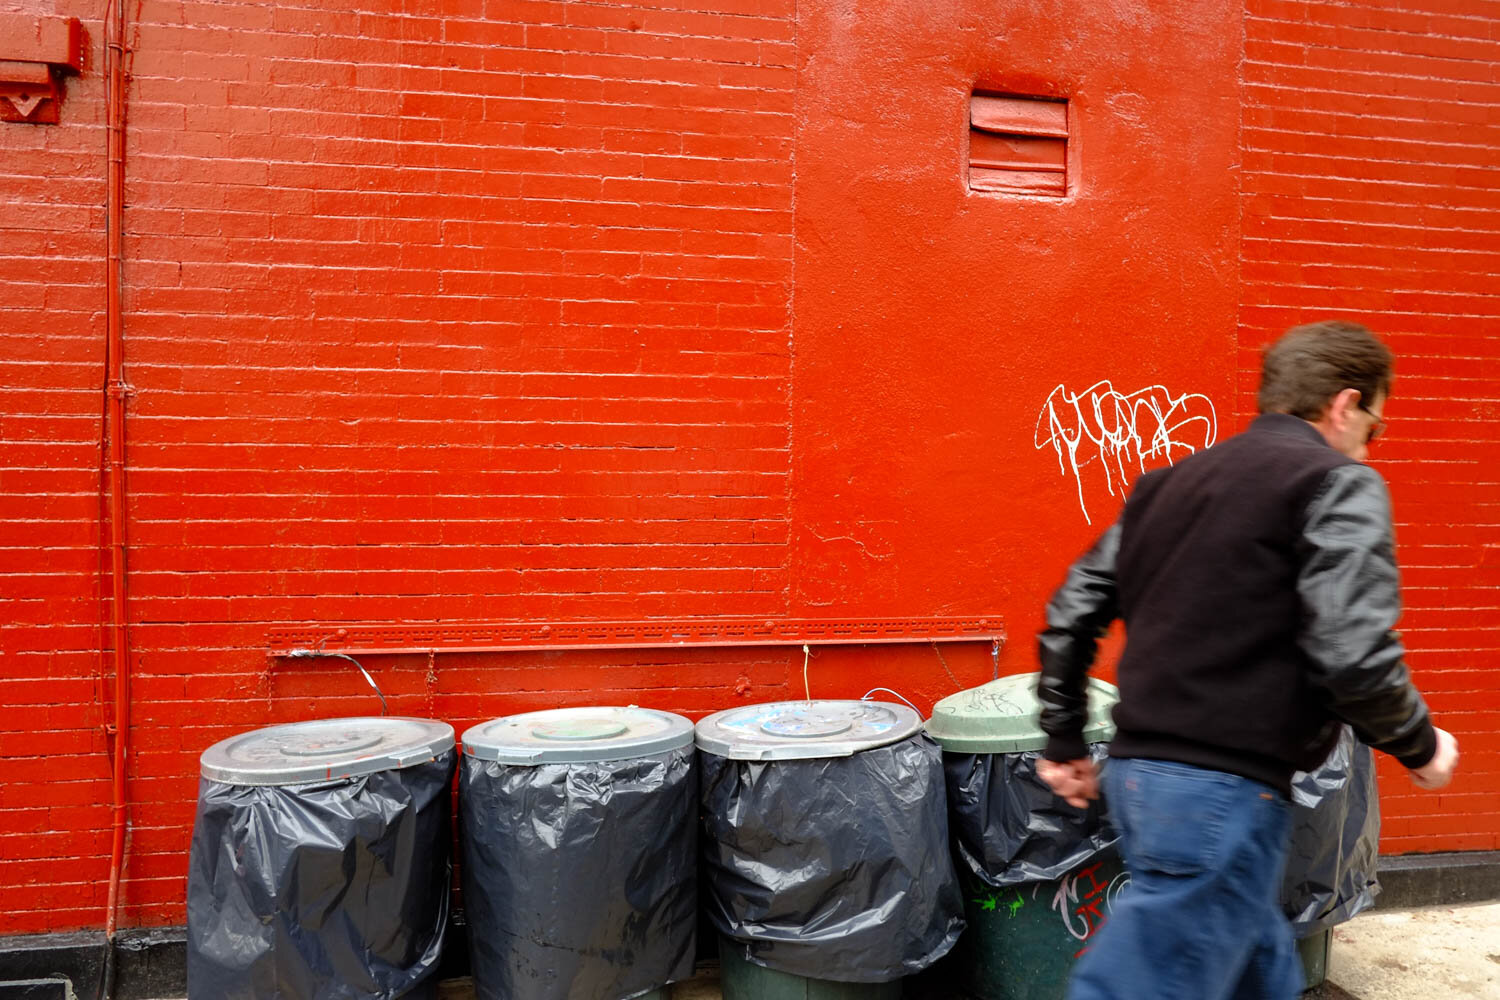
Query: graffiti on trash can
(993, 902)
(1123, 429)
(1085, 898)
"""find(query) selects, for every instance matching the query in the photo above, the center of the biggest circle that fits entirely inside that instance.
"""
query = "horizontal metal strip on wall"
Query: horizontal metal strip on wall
(479, 637)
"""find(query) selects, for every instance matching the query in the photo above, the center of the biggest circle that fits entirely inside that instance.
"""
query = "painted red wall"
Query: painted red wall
(55, 790)
(932, 324)
(1370, 140)
(553, 311)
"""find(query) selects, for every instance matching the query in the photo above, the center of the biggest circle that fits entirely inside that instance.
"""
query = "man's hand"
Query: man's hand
(1075, 782)
(1438, 771)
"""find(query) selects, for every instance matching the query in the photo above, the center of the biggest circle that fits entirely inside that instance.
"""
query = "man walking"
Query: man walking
(1258, 585)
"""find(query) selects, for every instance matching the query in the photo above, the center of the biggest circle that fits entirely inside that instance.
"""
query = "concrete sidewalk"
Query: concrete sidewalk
(1432, 953)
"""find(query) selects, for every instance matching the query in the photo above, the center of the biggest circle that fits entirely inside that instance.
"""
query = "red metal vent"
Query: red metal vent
(1018, 145)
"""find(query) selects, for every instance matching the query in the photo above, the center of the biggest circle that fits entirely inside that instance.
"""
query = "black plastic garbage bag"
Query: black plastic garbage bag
(1330, 870)
(832, 868)
(1008, 826)
(580, 880)
(335, 890)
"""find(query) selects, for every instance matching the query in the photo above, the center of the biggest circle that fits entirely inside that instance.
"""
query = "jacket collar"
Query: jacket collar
(1285, 423)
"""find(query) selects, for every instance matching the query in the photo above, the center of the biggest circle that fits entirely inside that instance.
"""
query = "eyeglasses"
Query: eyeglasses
(1379, 426)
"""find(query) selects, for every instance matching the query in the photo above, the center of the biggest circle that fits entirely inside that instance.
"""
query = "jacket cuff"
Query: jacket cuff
(1067, 748)
(1423, 755)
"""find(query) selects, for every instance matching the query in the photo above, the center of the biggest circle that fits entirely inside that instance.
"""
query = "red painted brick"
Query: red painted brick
(1363, 124)
(461, 313)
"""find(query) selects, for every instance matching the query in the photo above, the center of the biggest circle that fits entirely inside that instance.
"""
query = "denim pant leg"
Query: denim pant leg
(1201, 919)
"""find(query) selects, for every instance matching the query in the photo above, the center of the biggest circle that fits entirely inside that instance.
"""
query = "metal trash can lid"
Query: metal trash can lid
(325, 749)
(577, 735)
(805, 730)
(1002, 716)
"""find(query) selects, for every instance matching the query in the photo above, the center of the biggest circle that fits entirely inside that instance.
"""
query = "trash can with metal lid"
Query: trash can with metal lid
(321, 862)
(1335, 844)
(1039, 876)
(579, 834)
(825, 849)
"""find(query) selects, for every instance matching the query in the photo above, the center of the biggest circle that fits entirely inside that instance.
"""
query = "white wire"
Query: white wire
(909, 705)
(309, 653)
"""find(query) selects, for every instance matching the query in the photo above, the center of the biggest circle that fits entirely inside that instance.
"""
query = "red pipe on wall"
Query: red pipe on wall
(115, 391)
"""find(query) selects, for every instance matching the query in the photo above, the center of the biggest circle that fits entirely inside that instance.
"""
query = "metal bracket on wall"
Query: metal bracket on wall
(35, 52)
(503, 637)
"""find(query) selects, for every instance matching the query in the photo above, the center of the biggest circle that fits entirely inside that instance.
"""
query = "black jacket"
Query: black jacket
(1257, 581)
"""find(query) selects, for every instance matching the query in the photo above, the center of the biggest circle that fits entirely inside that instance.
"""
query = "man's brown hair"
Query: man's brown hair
(1314, 362)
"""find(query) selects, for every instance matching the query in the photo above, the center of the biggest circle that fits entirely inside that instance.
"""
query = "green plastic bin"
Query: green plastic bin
(819, 818)
(1313, 951)
(740, 979)
(1023, 939)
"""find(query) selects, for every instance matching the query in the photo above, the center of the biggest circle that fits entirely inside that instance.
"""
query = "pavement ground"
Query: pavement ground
(1432, 953)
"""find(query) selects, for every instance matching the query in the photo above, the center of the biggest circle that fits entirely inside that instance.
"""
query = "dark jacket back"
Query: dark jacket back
(1207, 575)
(1259, 589)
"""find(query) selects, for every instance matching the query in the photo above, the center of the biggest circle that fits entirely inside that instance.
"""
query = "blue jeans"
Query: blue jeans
(1201, 919)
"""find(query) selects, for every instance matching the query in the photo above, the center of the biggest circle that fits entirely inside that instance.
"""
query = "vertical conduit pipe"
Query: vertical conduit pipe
(115, 391)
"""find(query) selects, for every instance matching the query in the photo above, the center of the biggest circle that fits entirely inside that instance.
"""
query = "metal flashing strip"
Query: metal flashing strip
(364, 638)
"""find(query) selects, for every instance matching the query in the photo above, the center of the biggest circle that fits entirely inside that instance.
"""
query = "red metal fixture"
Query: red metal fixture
(115, 392)
(1018, 145)
(500, 637)
(35, 52)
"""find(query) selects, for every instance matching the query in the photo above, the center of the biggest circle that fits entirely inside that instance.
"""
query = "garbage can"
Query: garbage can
(825, 849)
(1335, 843)
(1039, 876)
(320, 862)
(580, 853)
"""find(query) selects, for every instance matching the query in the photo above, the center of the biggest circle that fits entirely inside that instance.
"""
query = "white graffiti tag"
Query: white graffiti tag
(1124, 430)
(1084, 900)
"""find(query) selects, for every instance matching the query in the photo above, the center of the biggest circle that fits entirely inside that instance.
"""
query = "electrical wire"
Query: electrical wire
(312, 653)
(866, 697)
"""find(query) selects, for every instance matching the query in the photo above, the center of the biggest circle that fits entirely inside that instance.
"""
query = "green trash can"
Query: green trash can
(1039, 876)
(1313, 951)
(826, 866)
(580, 853)
(741, 979)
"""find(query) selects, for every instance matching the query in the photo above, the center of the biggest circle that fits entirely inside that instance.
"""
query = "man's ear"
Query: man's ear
(1342, 406)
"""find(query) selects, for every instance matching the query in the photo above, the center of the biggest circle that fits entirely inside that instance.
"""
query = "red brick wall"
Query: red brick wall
(1370, 193)
(464, 312)
(486, 312)
(54, 794)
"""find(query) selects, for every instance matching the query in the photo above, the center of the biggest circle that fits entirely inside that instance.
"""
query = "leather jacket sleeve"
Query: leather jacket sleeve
(1078, 614)
(1351, 597)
